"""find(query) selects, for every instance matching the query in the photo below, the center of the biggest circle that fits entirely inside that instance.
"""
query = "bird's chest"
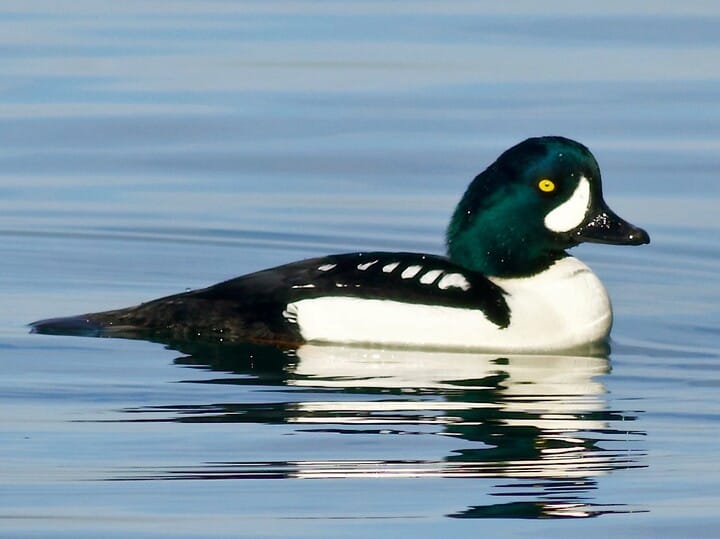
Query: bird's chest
(562, 307)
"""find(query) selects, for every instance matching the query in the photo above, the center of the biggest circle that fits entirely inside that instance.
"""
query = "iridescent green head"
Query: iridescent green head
(538, 199)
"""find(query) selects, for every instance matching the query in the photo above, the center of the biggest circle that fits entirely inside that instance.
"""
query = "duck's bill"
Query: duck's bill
(607, 227)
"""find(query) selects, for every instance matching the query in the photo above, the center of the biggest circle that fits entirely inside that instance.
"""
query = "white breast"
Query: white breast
(564, 307)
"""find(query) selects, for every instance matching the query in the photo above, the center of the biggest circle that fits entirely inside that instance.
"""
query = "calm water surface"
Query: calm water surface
(149, 147)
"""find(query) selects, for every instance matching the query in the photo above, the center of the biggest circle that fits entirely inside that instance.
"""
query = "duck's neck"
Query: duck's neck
(486, 246)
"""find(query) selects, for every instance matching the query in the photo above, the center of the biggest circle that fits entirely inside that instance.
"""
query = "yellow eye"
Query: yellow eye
(546, 185)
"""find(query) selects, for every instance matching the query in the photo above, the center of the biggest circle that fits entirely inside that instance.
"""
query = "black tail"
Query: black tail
(71, 325)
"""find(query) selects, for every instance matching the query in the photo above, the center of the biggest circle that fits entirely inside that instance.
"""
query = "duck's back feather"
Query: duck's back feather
(254, 306)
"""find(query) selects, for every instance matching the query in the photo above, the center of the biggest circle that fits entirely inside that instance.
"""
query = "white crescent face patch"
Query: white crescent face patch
(570, 213)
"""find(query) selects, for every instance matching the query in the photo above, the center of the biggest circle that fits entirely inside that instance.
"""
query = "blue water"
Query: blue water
(150, 147)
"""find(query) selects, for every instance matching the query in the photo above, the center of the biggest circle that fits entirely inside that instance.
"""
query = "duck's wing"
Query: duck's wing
(404, 277)
(252, 306)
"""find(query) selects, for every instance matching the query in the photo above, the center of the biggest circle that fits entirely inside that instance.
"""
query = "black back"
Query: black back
(362, 275)
(251, 307)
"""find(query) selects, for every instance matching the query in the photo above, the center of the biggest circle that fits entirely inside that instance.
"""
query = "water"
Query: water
(148, 147)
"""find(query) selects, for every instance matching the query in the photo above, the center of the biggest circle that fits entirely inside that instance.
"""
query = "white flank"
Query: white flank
(389, 268)
(564, 307)
(410, 272)
(454, 280)
(430, 276)
(570, 213)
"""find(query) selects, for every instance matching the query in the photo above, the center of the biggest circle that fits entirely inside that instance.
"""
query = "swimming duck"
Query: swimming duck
(507, 282)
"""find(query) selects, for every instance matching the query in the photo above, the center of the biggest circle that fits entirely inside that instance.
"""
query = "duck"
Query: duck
(506, 282)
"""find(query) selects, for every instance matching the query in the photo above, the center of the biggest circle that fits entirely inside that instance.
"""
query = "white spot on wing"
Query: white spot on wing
(326, 267)
(454, 280)
(389, 268)
(309, 285)
(430, 276)
(366, 265)
(410, 272)
(570, 213)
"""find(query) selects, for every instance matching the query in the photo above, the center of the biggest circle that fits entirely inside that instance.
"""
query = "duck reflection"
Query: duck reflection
(540, 424)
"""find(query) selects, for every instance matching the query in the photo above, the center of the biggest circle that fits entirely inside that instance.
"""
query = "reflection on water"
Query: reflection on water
(540, 425)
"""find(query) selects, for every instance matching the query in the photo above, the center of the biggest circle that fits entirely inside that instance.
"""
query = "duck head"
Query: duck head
(536, 200)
